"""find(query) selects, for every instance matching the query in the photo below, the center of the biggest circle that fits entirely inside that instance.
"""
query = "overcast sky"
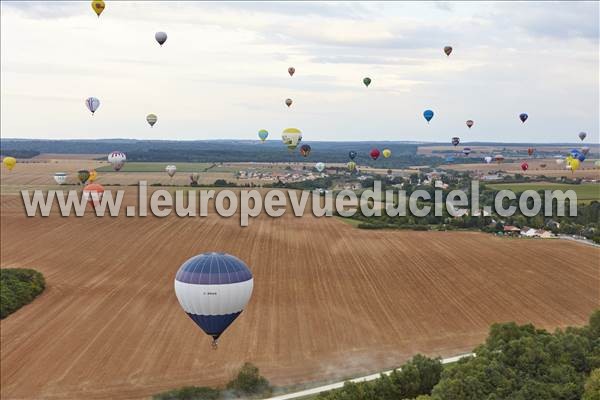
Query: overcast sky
(223, 71)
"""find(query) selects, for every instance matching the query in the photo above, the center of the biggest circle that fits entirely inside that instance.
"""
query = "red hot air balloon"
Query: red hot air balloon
(375, 153)
(524, 166)
(530, 151)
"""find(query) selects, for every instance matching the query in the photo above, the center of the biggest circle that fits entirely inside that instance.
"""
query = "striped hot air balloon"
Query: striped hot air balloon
(213, 289)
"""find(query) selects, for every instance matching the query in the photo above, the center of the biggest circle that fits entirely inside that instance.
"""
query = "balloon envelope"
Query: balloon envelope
(171, 169)
(448, 50)
(83, 175)
(263, 134)
(488, 159)
(352, 154)
(60, 178)
(524, 166)
(455, 141)
(470, 123)
(374, 154)
(367, 81)
(93, 192)
(93, 176)
(428, 114)
(9, 162)
(320, 166)
(291, 71)
(386, 153)
(92, 104)
(151, 119)
(291, 137)
(98, 7)
(523, 117)
(351, 165)
(467, 151)
(582, 135)
(213, 289)
(305, 150)
(161, 37)
(288, 102)
(117, 159)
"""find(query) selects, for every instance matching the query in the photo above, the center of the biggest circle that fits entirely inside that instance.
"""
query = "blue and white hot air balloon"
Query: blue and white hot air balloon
(213, 289)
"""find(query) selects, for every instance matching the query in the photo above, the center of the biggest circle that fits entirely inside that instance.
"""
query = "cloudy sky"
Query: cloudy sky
(223, 70)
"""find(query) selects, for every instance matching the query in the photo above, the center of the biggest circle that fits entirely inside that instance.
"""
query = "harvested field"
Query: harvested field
(330, 300)
(552, 169)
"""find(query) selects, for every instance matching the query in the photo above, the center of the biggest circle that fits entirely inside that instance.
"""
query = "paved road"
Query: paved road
(337, 385)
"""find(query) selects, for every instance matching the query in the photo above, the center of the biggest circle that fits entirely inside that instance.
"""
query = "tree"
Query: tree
(592, 386)
(249, 382)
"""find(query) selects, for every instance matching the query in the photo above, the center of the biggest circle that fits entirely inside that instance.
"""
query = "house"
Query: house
(511, 230)
(492, 177)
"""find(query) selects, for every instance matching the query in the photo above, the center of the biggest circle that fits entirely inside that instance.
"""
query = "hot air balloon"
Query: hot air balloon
(291, 137)
(524, 166)
(263, 134)
(386, 153)
(574, 153)
(530, 151)
(488, 159)
(351, 166)
(9, 162)
(93, 176)
(374, 154)
(367, 81)
(448, 50)
(171, 169)
(470, 123)
(560, 161)
(574, 164)
(455, 141)
(498, 158)
(467, 151)
(117, 159)
(161, 37)
(213, 289)
(194, 176)
(291, 71)
(151, 119)
(582, 135)
(288, 102)
(83, 175)
(60, 178)
(585, 150)
(320, 166)
(352, 154)
(305, 150)
(428, 114)
(93, 192)
(98, 7)
(92, 104)
(523, 117)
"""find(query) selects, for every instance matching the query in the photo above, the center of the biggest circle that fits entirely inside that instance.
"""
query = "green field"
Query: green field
(159, 167)
(585, 192)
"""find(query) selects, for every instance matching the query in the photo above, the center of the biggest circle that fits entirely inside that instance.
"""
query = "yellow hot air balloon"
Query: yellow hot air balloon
(98, 7)
(93, 176)
(574, 164)
(9, 162)
(387, 153)
(291, 137)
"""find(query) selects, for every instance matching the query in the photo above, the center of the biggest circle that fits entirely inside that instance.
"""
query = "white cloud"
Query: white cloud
(223, 71)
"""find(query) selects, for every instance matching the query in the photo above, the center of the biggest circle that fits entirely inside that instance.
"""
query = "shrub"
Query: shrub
(249, 382)
(18, 287)
(189, 393)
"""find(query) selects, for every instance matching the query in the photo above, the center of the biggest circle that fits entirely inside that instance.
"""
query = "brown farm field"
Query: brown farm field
(330, 301)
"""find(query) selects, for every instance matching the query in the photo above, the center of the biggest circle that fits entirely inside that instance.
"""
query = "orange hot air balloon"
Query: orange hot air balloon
(93, 193)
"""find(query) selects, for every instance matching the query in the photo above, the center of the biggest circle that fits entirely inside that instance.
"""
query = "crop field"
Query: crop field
(330, 300)
(587, 170)
(585, 192)
(157, 167)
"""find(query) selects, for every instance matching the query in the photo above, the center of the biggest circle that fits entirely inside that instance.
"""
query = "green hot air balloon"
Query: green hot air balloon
(83, 175)
(367, 81)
